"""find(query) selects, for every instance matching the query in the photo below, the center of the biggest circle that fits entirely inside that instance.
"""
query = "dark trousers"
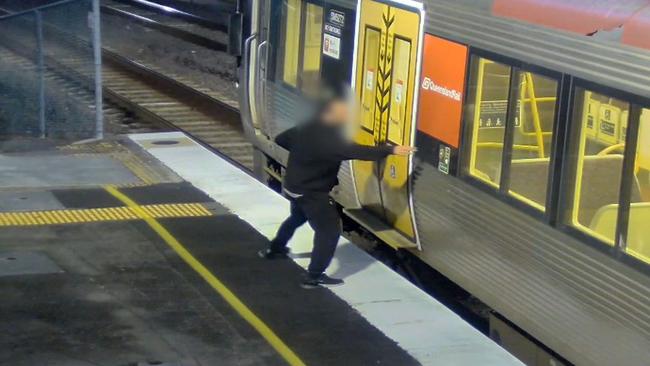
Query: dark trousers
(320, 211)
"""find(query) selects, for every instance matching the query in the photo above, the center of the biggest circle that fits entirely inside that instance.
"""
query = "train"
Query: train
(531, 185)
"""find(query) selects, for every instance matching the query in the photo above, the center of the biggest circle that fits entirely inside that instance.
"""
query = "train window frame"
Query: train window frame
(563, 136)
(566, 187)
(632, 171)
(501, 191)
(365, 45)
(468, 132)
(279, 67)
(406, 92)
(303, 41)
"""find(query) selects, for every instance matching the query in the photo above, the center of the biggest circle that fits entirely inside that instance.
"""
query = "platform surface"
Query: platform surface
(156, 265)
(429, 332)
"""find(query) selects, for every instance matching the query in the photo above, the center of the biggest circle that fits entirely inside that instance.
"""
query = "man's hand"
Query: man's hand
(403, 150)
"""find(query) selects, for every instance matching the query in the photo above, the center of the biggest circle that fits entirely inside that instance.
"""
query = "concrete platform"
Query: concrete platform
(118, 161)
(189, 290)
(113, 293)
(420, 325)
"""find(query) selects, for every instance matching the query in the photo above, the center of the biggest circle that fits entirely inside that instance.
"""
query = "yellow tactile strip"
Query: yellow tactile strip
(57, 217)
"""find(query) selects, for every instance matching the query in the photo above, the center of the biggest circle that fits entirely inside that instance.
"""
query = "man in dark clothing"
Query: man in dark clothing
(316, 150)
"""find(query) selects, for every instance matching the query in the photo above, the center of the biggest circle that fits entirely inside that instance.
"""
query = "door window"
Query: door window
(291, 40)
(400, 81)
(368, 85)
(311, 58)
(301, 44)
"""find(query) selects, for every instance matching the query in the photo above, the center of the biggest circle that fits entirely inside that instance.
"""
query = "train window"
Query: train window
(400, 79)
(312, 47)
(486, 110)
(638, 234)
(291, 40)
(532, 137)
(597, 163)
(370, 64)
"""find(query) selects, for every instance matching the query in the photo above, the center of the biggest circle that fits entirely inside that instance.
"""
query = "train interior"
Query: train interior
(599, 160)
(596, 164)
(534, 115)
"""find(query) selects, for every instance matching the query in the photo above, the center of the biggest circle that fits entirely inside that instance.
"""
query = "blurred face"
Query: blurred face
(337, 113)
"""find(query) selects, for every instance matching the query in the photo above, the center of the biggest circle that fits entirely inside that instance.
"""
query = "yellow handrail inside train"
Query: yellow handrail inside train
(532, 98)
(610, 149)
(497, 145)
(534, 108)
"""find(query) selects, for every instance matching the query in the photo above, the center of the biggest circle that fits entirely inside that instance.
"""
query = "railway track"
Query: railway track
(207, 120)
(118, 119)
(149, 94)
(214, 30)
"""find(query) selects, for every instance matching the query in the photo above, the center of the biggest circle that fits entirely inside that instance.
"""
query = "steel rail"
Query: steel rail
(172, 12)
(167, 29)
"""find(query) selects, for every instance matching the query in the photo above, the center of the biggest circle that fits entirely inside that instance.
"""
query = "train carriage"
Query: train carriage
(531, 186)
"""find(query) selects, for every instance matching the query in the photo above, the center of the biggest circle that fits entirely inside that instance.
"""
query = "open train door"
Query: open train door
(387, 54)
(253, 70)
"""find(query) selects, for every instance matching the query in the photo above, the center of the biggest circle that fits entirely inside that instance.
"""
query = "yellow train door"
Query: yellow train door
(387, 65)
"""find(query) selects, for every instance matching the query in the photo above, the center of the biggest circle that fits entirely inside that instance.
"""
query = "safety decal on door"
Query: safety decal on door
(331, 46)
(444, 157)
(370, 79)
(399, 89)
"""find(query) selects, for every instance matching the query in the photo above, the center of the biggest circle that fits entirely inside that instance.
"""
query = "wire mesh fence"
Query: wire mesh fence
(50, 72)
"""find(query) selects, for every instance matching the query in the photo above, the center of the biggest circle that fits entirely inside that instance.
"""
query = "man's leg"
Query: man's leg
(324, 218)
(288, 228)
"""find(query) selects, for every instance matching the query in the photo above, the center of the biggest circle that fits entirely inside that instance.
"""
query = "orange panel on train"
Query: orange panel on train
(442, 87)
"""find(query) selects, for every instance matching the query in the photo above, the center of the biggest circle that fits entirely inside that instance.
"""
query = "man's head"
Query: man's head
(335, 111)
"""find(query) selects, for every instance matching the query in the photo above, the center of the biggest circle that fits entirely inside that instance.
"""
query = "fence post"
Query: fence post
(41, 73)
(97, 55)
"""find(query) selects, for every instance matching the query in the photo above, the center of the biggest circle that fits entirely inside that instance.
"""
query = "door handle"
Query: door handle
(262, 45)
(245, 84)
(260, 79)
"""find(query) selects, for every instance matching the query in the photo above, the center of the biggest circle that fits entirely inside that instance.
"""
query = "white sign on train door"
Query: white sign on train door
(332, 46)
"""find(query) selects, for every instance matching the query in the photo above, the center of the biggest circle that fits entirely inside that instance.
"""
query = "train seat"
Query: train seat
(528, 178)
(604, 221)
(638, 240)
(598, 188)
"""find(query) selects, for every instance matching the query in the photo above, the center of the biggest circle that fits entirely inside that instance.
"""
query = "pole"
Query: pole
(41, 73)
(97, 55)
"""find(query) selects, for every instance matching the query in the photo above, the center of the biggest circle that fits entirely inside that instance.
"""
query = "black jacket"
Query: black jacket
(316, 151)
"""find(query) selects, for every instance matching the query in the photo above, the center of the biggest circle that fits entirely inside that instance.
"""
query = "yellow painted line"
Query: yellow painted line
(77, 216)
(232, 299)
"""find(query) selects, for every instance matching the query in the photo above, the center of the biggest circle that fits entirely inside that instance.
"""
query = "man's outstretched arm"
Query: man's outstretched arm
(353, 151)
